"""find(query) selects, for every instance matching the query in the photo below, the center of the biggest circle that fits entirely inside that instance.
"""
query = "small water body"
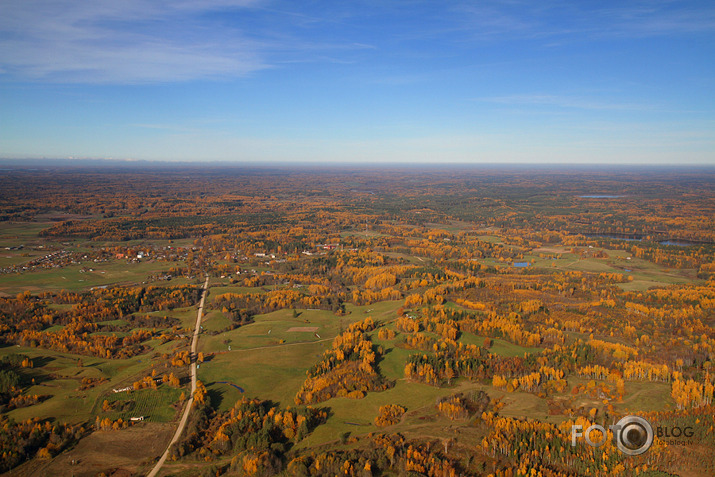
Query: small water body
(678, 243)
(231, 384)
(521, 264)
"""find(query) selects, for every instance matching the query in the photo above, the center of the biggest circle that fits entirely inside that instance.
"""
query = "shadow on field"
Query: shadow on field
(41, 361)
(216, 397)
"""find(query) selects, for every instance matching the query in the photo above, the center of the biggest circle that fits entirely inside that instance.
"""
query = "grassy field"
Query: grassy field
(273, 328)
(381, 311)
(58, 376)
(409, 258)
(499, 346)
(645, 274)
(392, 363)
(215, 291)
(489, 238)
(454, 226)
(269, 330)
(72, 278)
(17, 257)
(185, 315)
(14, 234)
(274, 373)
(357, 415)
(154, 404)
(268, 369)
(277, 372)
(214, 320)
(643, 395)
(263, 366)
(134, 449)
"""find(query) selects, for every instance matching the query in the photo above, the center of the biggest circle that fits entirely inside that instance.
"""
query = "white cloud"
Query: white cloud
(122, 41)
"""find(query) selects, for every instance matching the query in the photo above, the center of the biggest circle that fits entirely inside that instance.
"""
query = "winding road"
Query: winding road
(190, 402)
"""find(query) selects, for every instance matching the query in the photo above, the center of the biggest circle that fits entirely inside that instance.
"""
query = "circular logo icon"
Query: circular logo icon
(635, 435)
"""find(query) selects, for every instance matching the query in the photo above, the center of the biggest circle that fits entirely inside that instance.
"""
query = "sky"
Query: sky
(260, 81)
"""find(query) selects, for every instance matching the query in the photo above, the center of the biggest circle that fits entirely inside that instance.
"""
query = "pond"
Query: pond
(678, 243)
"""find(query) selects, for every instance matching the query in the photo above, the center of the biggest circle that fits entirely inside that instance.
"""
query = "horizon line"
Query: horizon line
(97, 165)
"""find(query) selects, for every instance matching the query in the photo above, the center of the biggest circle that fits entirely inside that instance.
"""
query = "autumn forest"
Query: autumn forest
(356, 321)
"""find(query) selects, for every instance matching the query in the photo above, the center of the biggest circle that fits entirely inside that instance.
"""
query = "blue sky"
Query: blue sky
(367, 81)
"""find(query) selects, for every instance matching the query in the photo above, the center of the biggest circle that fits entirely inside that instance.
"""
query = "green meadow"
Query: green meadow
(72, 277)
(155, 405)
(58, 375)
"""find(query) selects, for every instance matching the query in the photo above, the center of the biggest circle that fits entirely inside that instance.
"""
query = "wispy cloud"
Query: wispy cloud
(566, 102)
(106, 41)
(145, 41)
(657, 18)
(558, 20)
(140, 41)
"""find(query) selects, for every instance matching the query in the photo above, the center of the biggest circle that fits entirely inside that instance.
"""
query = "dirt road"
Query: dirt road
(190, 402)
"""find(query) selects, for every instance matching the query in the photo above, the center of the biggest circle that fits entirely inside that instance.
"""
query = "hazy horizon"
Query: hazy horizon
(100, 164)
